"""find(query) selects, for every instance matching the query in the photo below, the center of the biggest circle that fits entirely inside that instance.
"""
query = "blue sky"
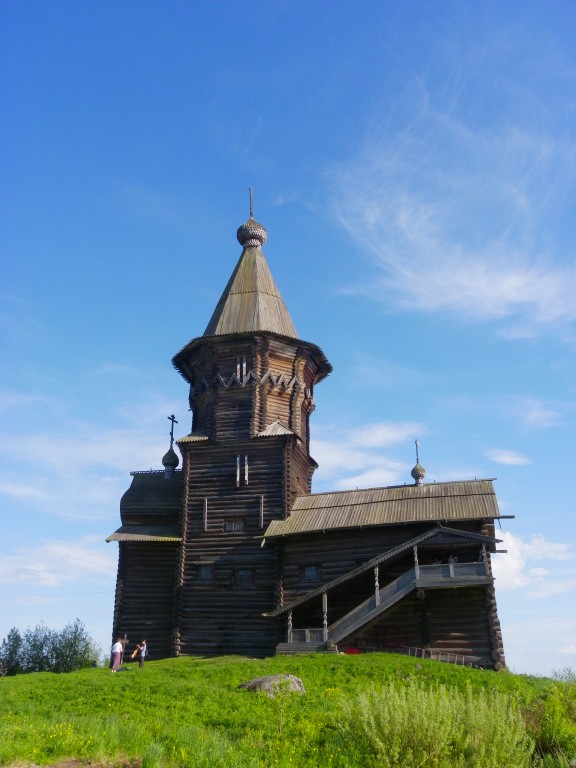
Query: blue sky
(415, 166)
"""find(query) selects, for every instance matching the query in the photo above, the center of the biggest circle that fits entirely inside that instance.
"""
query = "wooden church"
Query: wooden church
(233, 554)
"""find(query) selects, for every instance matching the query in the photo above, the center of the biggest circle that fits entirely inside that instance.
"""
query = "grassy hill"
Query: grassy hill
(363, 710)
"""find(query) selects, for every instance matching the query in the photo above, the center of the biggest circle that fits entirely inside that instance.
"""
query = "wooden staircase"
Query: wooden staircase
(373, 607)
(441, 576)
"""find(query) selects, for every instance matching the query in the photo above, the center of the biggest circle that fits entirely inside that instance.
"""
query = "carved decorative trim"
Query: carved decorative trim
(276, 381)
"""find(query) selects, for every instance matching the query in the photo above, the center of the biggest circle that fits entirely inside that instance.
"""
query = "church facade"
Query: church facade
(233, 554)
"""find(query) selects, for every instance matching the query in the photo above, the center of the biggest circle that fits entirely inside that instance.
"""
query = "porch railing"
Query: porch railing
(446, 656)
(310, 635)
(421, 576)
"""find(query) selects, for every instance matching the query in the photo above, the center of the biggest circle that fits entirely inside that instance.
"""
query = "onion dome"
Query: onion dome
(251, 234)
(418, 473)
(170, 458)
(170, 461)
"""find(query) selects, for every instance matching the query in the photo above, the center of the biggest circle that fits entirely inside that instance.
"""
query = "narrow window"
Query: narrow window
(206, 572)
(311, 573)
(241, 368)
(241, 478)
(244, 576)
(234, 526)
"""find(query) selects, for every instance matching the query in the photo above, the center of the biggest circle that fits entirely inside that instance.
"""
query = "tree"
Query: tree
(46, 650)
(38, 649)
(74, 649)
(10, 653)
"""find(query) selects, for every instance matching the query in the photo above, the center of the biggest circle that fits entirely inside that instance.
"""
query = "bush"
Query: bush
(409, 725)
(553, 719)
(45, 650)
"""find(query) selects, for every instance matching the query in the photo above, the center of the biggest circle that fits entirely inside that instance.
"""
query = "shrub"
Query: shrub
(553, 719)
(408, 725)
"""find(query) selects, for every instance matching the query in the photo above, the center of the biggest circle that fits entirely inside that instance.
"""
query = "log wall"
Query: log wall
(145, 595)
(236, 483)
(227, 579)
(461, 620)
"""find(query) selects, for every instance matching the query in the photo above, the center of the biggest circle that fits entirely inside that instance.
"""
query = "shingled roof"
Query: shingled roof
(251, 301)
(396, 505)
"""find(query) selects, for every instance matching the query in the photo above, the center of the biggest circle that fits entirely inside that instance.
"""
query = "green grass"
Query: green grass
(363, 710)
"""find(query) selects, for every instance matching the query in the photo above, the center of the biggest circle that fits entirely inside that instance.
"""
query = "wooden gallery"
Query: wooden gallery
(233, 554)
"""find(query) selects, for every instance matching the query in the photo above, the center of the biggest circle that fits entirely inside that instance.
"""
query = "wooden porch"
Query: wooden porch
(451, 575)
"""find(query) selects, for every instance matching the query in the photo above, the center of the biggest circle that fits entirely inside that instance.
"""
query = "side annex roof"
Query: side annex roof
(395, 505)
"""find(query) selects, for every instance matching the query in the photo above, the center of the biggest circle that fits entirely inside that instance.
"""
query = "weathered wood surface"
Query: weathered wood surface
(246, 461)
(236, 483)
(145, 607)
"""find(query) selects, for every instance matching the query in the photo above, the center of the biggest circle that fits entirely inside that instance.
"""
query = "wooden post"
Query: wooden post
(325, 617)
(376, 586)
(289, 638)
(416, 566)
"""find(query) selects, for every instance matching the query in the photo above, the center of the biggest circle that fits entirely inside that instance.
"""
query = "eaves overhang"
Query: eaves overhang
(145, 533)
(179, 361)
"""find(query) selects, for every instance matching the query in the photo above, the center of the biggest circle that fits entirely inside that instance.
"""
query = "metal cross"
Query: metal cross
(172, 418)
(417, 457)
(251, 206)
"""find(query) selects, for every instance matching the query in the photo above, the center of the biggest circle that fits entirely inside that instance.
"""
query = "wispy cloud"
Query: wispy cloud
(81, 467)
(355, 458)
(504, 456)
(538, 415)
(57, 562)
(462, 216)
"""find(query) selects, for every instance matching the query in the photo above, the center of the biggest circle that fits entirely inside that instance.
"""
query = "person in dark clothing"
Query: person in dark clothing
(141, 651)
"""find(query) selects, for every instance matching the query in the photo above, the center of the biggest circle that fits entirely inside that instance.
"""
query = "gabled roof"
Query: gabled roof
(446, 534)
(396, 505)
(274, 429)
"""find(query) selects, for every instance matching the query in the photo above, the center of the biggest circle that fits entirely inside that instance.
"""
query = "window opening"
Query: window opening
(234, 526)
(205, 572)
(311, 573)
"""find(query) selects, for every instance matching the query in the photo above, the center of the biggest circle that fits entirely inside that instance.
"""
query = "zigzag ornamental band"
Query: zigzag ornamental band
(279, 381)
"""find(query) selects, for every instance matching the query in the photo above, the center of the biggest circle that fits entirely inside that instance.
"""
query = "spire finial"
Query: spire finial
(172, 418)
(418, 472)
(251, 234)
(170, 460)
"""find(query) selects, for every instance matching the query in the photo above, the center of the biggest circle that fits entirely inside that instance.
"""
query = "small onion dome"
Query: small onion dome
(170, 459)
(251, 234)
(418, 473)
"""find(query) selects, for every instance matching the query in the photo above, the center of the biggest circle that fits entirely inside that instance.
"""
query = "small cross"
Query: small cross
(417, 446)
(172, 418)
(251, 206)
